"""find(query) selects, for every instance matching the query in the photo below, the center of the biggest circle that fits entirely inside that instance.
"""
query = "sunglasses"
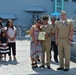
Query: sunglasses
(52, 20)
(39, 22)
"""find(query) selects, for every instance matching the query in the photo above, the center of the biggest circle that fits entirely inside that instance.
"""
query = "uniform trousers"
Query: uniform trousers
(55, 49)
(46, 45)
(64, 52)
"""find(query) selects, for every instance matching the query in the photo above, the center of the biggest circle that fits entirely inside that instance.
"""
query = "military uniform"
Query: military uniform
(53, 44)
(63, 30)
(46, 45)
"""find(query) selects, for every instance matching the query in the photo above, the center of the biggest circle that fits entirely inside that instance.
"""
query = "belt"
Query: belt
(63, 37)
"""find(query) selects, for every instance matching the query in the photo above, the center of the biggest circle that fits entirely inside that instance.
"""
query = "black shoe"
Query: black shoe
(38, 60)
(66, 69)
(60, 68)
(33, 66)
(56, 60)
(42, 66)
(36, 65)
(48, 67)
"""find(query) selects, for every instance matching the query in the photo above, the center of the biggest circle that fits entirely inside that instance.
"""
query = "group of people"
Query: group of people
(7, 40)
(58, 36)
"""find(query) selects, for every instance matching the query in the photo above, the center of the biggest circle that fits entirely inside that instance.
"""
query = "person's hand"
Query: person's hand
(46, 35)
(53, 34)
(11, 39)
(36, 42)
(70, 42)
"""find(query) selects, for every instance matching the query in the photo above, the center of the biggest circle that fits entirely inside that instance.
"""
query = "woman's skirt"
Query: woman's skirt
(35, 50)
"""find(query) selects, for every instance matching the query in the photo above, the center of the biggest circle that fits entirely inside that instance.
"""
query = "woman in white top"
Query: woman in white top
(11, 35)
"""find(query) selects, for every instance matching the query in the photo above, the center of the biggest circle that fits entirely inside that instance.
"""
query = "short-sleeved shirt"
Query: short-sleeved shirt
(64, 28)
(53, 31)
(47, 29)
(11, 32)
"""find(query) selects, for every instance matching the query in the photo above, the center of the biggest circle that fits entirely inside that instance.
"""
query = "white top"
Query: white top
(11, 32)
(63, 21)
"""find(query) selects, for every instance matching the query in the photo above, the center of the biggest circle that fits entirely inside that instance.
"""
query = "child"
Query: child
(4, 49)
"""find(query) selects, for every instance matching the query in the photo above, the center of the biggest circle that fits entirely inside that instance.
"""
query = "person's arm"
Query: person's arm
(71, 32)
(70, 37)
(56, 34)
(8, 35)
(14, 36)
(52, 32)
(6, 31)
(0, 42)
(56, 37)
(6, 43)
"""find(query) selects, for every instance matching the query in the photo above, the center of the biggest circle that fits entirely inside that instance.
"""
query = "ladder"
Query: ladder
(59, 5)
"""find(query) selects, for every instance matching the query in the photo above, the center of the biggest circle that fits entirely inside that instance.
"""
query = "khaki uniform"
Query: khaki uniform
(46, 45)
(53, 44)
(53, 28)
(63, 42)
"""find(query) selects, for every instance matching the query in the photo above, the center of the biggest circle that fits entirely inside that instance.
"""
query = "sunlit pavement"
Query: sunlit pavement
(23, 64)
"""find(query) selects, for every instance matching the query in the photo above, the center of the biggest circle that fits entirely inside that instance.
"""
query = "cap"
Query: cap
(45, 17)
(53, 18)
(63, 12)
